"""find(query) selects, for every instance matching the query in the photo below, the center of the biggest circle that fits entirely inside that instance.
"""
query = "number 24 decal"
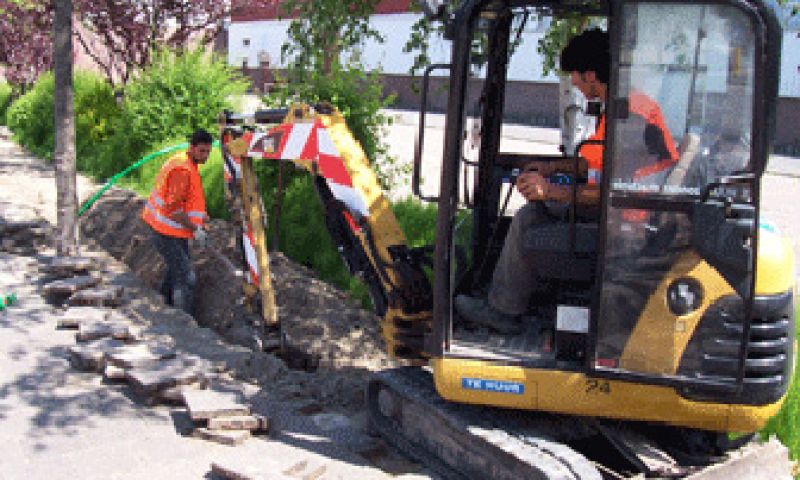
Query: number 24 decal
(598, 386)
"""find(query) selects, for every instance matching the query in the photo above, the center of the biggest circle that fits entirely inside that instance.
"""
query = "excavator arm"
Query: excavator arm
(358, 215)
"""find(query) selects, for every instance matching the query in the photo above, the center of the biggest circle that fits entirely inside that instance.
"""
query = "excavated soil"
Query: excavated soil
(319, 323)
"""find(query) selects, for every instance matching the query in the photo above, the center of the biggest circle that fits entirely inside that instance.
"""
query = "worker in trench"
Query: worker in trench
(175, 213)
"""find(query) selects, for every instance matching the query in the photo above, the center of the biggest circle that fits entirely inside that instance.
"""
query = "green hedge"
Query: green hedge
(5, 100)
(786, 424)
(171, 98)
(30, 117)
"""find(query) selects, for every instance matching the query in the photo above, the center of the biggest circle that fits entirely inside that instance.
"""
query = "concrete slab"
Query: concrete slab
(91, 357)
(240, 422)
(107, 296)
(230, 470)
(207, 404)
(68, 266)
(113, 374)
(225, 437)
(68, 286)
(149, 381)
(143, 355)
(88, 331)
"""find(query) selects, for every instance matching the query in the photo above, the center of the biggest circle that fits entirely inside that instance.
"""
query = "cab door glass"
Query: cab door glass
(684, 108)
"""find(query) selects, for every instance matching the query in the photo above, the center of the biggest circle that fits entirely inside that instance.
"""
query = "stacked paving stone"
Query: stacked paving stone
(110, 344)
(23, 237)
(221, 416)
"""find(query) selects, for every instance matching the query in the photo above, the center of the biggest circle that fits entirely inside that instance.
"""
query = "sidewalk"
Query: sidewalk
(59, 423)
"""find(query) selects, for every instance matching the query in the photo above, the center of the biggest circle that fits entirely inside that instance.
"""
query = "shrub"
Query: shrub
(5, 100)
(172, 97)
(31, 116)
(786, 424)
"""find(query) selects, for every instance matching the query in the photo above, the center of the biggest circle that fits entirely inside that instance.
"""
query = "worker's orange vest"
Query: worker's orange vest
(643, 106)
(155, 212)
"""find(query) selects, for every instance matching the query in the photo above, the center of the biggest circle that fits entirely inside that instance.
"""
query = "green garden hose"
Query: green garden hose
(142, 161)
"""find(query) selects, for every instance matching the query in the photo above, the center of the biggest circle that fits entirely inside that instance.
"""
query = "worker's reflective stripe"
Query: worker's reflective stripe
(196, 214)
(155, 198)
(297, 140)
(166, 221)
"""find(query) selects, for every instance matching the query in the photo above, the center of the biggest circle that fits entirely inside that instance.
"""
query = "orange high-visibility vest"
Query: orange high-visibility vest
(643, 106)
(162, 204)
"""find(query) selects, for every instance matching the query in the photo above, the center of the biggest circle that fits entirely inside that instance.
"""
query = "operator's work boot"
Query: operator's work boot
(478, 310)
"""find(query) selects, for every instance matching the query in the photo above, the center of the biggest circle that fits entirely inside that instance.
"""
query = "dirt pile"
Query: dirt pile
(316, 319)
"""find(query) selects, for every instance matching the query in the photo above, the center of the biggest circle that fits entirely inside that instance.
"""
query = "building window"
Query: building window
(246, 42)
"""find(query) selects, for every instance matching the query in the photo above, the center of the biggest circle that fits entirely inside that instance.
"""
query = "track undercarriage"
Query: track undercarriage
(471, 442)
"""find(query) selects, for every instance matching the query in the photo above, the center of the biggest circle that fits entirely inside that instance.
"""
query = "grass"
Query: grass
(786, 424)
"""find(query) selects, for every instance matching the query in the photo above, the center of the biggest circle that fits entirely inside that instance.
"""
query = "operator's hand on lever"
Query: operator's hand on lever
(535, 187)
(200, 237)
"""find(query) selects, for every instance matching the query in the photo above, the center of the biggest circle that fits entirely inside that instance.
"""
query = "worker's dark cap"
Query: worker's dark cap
(200, 136)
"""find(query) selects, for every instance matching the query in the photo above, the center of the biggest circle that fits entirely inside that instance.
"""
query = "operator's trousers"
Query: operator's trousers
(515, 280)
(179, 280)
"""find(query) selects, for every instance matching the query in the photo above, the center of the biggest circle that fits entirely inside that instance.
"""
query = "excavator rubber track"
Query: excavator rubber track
(459, 441)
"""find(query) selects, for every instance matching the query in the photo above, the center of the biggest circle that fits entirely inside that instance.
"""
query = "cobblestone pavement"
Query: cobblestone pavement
(59, 423)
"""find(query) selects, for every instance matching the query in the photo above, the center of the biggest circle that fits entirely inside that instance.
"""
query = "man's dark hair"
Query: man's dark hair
(200, 136)
(587, 52)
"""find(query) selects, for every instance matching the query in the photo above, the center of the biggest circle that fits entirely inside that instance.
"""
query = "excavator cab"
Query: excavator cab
(673, 303)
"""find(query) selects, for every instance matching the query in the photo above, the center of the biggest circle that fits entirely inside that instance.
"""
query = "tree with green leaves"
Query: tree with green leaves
(321, 31)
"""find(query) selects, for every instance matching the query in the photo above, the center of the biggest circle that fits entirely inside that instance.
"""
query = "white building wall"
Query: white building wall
(526, 64)
(263, 36)
(790, 65)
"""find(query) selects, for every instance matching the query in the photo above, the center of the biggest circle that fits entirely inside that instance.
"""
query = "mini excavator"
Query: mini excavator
(666, 338)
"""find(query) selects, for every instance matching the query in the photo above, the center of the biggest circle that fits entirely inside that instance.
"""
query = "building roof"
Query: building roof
(274, 11)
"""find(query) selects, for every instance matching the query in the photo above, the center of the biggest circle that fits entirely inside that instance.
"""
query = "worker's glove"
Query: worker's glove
(200, 237)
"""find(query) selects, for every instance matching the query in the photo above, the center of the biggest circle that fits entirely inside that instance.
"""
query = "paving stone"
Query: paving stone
(144, 355)
(149, 381)
(306, 470)
(68, 323)
(233, 471)
(225, 437)
(67, 286)
(112, 373)
(107, 296)
(91, 357)
(73, 317)
(257, 423)
(206, 404)
(88, 331)
(68, 266)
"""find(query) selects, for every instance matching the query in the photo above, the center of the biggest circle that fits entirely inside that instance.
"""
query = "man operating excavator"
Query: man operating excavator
(586, 59)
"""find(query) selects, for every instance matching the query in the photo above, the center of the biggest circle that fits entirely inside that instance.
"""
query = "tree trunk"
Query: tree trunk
(64, 152)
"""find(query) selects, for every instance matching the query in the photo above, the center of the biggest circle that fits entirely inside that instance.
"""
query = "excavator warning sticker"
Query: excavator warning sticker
(496, 386)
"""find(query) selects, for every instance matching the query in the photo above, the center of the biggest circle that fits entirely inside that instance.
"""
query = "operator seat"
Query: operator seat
(550, 246)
